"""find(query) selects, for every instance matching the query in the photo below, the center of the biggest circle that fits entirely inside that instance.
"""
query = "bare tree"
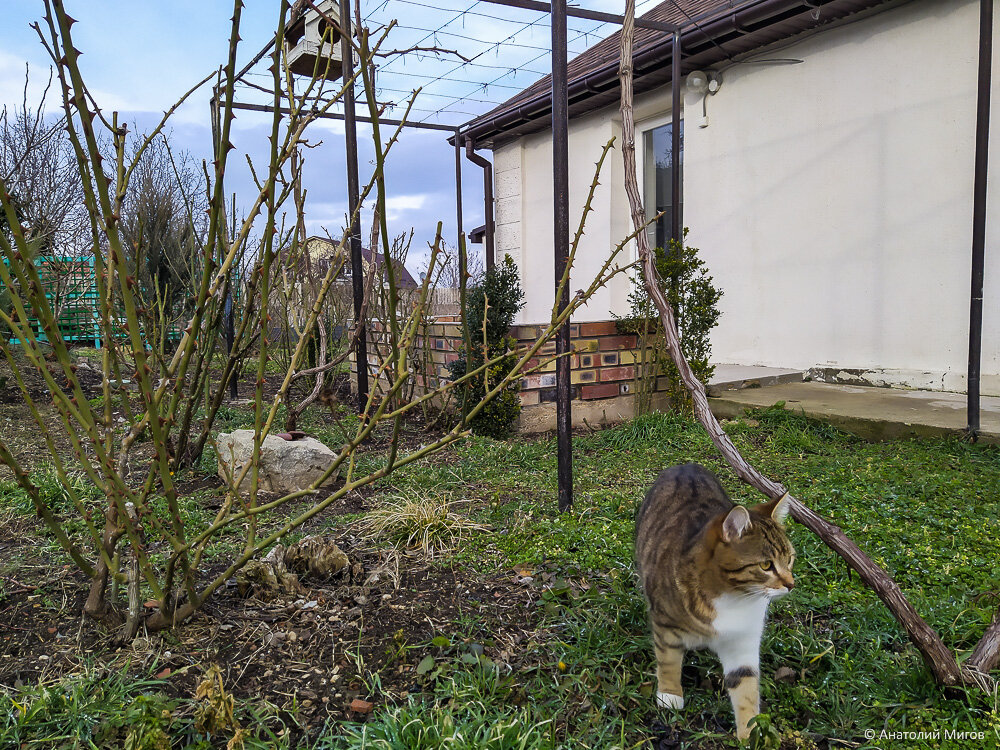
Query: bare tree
(164, 223)
(448, 268)
(38, 167)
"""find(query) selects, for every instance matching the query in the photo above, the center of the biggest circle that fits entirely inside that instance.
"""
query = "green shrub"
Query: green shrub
(688, 287)
(489, 314)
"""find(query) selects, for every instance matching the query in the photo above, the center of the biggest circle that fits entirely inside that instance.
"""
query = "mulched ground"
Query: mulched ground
(314, 649)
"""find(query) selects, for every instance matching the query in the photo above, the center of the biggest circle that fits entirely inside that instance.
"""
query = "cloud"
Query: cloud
(323, 217)
(333, 127)
(12, 72)
(398, 206)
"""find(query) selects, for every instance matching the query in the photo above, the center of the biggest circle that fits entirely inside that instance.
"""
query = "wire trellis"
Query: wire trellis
(500, 51)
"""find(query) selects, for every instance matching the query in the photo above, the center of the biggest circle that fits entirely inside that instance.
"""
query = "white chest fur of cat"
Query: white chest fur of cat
(709, 569)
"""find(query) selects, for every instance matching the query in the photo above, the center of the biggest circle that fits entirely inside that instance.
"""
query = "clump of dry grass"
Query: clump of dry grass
(421, 522)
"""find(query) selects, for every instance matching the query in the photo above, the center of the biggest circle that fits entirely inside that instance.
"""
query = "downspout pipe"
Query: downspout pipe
(487, 165)
(979, 214)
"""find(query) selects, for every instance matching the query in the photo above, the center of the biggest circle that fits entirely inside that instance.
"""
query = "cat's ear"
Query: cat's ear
(737, 523)
(776, 509)
(781, 508)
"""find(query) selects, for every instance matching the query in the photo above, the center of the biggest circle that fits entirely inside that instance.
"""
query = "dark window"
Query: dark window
(658, 167)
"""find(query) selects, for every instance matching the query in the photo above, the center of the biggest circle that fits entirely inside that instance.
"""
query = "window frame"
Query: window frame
(641, 129)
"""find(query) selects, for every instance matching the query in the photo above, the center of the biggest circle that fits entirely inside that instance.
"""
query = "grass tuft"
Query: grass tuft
(656, 427)
(427, 522)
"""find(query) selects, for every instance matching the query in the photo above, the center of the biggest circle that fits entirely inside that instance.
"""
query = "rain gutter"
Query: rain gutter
(744, 22)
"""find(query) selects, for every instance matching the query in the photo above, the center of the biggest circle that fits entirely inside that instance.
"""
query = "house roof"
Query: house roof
(712, 32)
(322, 249)
(403, 277)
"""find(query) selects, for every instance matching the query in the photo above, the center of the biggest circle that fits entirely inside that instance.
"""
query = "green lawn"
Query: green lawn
(926, 510)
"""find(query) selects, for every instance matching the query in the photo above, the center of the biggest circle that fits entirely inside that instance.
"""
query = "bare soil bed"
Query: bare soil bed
(312, 652)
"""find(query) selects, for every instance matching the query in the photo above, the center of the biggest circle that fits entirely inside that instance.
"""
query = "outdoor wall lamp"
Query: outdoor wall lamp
(705, 84)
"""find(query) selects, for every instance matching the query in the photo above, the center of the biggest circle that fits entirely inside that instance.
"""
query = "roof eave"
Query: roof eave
(715, 38)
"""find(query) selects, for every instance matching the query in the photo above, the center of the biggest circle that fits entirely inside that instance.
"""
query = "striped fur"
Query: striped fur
(708, 569)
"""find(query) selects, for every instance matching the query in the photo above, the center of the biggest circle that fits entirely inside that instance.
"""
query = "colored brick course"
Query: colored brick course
(618, 342)
(617, 373)
(603, 328)
(602, 365)
(605, 390)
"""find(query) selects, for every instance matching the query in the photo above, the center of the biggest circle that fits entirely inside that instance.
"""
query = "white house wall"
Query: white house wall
(524, 215)
(831, 199)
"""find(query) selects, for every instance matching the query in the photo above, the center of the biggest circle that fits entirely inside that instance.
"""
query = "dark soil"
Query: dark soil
(313, 650)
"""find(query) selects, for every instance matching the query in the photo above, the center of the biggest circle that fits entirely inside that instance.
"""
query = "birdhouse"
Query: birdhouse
(312, 40)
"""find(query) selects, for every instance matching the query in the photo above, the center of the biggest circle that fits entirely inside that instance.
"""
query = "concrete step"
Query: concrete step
(737, 377)
(872, 413)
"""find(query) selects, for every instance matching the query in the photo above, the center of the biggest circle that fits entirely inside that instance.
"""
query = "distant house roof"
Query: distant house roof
(712, 31)
(322, 249)
(403, 277)
(478, 235)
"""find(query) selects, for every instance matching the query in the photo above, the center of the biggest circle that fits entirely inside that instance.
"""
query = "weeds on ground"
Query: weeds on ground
(116, 709)
(926, 509)
(92, 709)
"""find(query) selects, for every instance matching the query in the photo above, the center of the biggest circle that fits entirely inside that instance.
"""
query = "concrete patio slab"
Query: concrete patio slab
(872, 413)
(735, 377)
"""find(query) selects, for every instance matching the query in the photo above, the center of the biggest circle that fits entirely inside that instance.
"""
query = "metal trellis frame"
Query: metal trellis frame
(691, 37)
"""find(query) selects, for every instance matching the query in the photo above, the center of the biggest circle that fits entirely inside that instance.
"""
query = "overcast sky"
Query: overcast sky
(141, 56)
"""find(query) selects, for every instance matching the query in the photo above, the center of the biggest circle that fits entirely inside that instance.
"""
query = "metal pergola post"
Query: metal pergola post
(560, 192)
(353, 190)
(979, 213)
(677, 213)
(463, 262)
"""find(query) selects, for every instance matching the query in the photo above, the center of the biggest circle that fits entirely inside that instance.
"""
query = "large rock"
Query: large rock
(285, 465)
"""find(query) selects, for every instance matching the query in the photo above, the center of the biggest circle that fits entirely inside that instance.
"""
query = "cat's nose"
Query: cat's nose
(789, 583)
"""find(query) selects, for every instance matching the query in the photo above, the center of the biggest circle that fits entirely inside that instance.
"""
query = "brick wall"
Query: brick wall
(602, 365)
(437, 345)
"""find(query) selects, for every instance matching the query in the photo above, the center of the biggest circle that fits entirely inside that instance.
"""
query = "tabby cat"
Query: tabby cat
(708, 570)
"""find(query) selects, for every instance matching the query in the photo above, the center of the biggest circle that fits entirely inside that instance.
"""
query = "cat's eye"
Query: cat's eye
(767, 565)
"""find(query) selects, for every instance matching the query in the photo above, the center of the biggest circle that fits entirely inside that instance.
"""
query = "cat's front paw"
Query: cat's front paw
(669, 700)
